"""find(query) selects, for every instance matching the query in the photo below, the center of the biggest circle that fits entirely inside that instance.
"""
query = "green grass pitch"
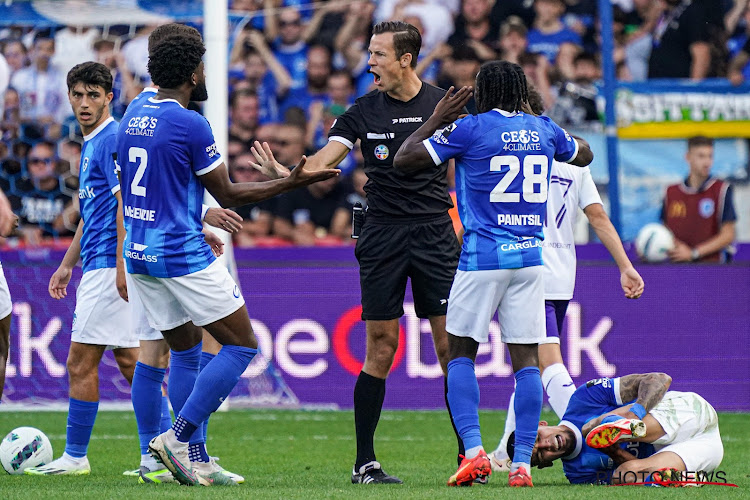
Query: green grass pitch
(308, 454)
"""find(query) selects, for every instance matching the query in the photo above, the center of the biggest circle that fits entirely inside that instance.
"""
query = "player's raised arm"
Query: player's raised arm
(230, 194)
(413, 155)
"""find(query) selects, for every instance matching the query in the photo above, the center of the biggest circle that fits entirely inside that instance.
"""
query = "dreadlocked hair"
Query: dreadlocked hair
(501, 84)
(174, 59)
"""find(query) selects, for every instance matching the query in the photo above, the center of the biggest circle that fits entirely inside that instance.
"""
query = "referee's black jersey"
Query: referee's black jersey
(382, 124)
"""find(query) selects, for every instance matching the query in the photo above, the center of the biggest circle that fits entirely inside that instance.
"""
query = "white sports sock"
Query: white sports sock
(72, 459)
(473, 452)
(559, 387)
(150, 462)
(517, 465)
(510, 426)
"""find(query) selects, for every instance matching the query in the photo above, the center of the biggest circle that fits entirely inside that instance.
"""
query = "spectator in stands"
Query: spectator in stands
(700, 210)
(244, 113)
(462, 70)
(513, 41)
(550, 36)
(290, 47)
(575, 106)
(40, 201)
(524, 9)
(257, 217)
(15, 54)
(537, 69)
(135, 55)
(306, 215)
(739, 66)
(262, 72)
(352, 41)
(287, 143)
(74, 45)
(339, 96)
(316, 81)
(475, 28)
(42, 90)
(681, 42)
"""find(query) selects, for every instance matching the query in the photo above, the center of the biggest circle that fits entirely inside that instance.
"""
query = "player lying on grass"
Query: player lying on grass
(624, 429)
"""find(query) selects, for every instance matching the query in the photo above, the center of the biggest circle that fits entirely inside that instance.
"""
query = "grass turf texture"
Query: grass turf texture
(309, 455)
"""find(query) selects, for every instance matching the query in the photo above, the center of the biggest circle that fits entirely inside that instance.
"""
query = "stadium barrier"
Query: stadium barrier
(692, 322)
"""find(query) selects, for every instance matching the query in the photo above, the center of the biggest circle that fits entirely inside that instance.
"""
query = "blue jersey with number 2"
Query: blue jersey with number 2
(502, 174)
(162, 150)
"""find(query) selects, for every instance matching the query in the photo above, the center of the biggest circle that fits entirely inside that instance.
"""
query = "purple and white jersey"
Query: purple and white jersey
(570, 188)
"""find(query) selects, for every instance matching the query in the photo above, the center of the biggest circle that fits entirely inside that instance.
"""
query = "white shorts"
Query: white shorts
(516, 294)
(692, 430)
(138, 317)
(101, 316)
(6, 305)
(202, 297)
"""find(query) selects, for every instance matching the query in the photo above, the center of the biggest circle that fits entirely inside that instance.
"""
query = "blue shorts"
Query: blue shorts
(554, 311)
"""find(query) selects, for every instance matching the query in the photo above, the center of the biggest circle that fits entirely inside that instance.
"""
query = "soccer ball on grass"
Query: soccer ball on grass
(24, 447)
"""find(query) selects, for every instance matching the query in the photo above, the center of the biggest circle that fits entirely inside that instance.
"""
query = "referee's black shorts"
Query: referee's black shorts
(426, 251)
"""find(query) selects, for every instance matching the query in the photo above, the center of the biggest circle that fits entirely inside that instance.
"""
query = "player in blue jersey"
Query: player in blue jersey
(624, 429)
(149, 403)
(101, 318)
(167, 155)
(571, 188)
(502, 157)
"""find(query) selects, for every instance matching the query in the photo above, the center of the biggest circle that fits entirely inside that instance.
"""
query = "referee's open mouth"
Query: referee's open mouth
(376, 77)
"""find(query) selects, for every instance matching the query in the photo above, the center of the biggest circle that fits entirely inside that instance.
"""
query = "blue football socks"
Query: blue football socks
(206, 357)
(147, 402)
(528, 406)
(463, 396)
(183, 372)
(81, 417)
(213, 385)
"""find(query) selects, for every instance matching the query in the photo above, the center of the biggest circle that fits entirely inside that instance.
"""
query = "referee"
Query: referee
(407, 233)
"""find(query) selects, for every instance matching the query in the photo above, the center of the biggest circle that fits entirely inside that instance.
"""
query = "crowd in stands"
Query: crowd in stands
(295, 66)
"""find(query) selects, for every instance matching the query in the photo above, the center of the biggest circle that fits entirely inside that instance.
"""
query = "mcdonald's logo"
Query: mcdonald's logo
(677, 209)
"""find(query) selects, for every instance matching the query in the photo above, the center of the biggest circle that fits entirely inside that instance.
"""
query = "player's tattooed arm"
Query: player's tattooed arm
(647, 388)
(413, 156)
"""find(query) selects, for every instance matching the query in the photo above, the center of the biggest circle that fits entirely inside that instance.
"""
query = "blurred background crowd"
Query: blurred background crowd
(295, 66)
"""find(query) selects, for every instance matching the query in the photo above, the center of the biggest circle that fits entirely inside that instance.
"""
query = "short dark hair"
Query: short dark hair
(700, 140)
(42, 36)
(90, 73)
(174, 59)
(406, 38)
(513, 24)
(171, 29)
(586, 57)
(501, 84)
(241, 93)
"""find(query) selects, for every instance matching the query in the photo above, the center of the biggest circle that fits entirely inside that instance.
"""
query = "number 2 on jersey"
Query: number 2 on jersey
(530, 178)
(141, 156)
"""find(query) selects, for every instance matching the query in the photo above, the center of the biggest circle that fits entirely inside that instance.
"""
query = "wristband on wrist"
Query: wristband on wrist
(204, 211)
(638, 410)
(695, 254)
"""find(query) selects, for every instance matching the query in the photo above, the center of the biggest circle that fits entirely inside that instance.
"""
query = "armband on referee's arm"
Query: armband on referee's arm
(204, 211)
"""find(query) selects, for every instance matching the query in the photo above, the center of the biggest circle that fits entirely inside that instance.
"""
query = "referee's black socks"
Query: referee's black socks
(369, 393)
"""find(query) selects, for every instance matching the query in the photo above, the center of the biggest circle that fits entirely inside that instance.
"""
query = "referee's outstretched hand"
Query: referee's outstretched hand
(301, 176)
(450, 106)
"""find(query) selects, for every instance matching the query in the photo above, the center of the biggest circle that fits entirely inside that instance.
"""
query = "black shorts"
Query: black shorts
(427, 252)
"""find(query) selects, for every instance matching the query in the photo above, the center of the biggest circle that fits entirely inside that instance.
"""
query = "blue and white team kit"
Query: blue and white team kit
(162, 150)
(502, 175)
(98, 304)
(690, 424)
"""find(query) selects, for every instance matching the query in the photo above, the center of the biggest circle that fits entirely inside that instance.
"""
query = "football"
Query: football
(653, 242)
(24, 447)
